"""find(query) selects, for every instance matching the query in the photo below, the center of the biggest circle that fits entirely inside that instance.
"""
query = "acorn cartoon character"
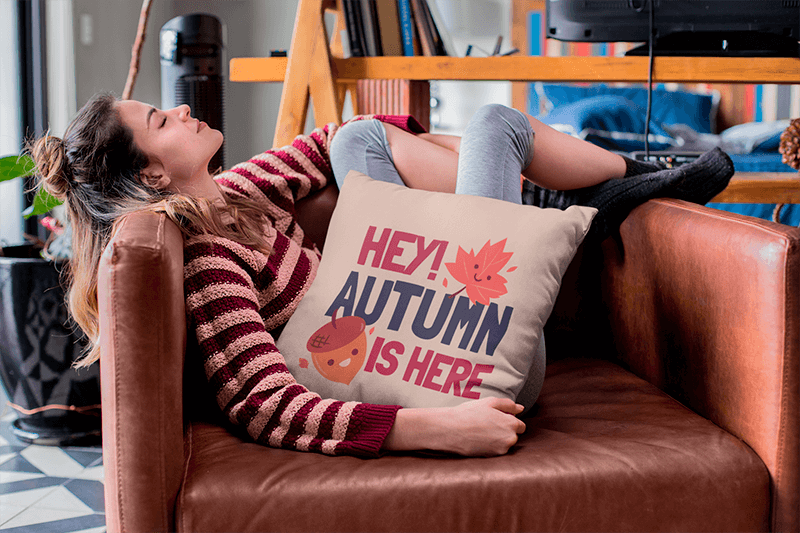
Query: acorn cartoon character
(338, 348)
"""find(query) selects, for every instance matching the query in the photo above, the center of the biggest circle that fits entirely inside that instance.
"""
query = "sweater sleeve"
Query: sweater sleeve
(249, 376)
(280, 177)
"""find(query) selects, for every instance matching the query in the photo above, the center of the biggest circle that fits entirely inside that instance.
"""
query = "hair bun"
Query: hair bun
(50, 155)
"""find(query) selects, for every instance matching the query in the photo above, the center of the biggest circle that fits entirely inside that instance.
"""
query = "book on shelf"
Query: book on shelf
(429, 35)
(389, 24)
(369, 21)
(444, 34)
(407, 30)
(424, 29)
(352, 20)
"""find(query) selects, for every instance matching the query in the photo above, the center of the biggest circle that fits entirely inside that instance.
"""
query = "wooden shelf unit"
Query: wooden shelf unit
(315, 72)
(527, 68)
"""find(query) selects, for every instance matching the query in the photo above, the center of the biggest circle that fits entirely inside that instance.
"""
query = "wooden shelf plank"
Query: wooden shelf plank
(762, 188)
(525, 68)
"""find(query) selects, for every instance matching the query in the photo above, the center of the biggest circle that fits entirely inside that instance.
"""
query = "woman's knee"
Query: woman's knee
(490, 115)
(349, 147)
(351, 137)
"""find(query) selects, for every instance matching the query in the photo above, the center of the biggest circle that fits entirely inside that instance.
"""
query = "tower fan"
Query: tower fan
(191, 70)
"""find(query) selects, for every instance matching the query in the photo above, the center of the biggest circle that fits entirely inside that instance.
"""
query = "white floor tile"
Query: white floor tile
(25, 498)
(93, 473)
(63, 500)
(11, 477)
(93, 530)
(53, 461)
(6, 456)
(7, 512)
(35, 515)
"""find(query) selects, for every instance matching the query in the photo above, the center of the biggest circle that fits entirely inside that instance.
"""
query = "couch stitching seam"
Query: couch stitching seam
(185, 477)
(784, 395)
(159, 400)
(112, 282)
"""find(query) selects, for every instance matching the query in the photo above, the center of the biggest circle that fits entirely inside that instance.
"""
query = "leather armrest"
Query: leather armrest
(704, 304)
(143, 338)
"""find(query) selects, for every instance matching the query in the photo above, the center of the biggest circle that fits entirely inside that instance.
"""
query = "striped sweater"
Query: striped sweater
(236, 296)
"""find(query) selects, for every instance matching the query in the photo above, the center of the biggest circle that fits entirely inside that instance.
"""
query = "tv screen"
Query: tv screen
(682, 27)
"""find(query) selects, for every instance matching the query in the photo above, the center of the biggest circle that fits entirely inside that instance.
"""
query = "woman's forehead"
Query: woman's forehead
(133, 111)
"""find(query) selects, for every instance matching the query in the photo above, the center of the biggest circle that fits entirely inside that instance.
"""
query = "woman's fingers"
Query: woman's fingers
(505, 405)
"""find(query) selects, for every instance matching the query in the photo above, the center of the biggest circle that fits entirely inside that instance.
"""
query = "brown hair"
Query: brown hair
(96, 170)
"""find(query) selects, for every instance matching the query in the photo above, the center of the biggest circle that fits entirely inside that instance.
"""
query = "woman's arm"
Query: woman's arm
(247, 373)
(279, 177)
(477, 428)
(256, 391)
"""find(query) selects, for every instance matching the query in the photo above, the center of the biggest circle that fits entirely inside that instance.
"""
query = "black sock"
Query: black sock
(614, 198)
(698, 181)
(634, 167)
(704, 178)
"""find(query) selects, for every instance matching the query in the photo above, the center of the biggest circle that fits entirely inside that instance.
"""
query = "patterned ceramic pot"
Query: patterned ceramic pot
(56, 403)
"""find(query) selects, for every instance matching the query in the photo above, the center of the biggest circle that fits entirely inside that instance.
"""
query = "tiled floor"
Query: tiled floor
(46, 488)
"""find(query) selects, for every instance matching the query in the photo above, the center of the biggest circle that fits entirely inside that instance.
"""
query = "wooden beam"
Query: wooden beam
(309, 72)
(762, 188)
(556, 69)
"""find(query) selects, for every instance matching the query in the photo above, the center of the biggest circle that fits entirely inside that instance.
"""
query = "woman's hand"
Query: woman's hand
(484, 427)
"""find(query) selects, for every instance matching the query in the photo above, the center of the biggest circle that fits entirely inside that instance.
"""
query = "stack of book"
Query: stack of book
(395, 28)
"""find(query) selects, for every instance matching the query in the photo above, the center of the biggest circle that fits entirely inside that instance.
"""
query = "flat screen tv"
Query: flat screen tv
(747, 28)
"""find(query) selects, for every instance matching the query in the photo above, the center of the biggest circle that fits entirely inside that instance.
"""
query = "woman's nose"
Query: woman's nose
(184, 111)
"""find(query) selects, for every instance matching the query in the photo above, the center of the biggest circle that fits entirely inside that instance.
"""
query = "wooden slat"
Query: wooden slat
(762, 188)
(557, 69)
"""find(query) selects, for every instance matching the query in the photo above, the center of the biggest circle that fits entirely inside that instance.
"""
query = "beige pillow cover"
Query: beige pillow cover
(429, 299)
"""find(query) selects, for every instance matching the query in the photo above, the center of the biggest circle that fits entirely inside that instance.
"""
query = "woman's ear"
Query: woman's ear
(156, 181)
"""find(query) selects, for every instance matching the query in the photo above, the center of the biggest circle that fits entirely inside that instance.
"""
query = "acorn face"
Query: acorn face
(338, 348)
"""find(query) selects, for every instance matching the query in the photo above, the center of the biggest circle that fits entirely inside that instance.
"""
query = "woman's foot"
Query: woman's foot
(634, 167)
(704, 178)
(698, 181)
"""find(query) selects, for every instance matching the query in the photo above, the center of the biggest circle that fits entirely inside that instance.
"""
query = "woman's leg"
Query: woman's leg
(362, 146)
(387, 153)
(497, 145)
(564, 162)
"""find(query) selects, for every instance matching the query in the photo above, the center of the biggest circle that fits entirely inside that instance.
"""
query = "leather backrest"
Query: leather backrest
(704, 304)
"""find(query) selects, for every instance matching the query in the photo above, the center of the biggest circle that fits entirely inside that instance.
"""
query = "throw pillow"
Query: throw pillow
(429, 299)
(697, 110)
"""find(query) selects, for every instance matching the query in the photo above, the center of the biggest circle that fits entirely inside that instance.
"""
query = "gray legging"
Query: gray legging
(497, 144)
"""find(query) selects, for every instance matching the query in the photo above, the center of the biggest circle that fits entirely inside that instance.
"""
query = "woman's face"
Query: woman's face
(178, 146)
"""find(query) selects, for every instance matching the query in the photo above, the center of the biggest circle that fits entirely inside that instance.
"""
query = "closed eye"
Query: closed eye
(163, 122)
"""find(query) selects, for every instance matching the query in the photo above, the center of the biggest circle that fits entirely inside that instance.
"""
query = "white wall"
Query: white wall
(479, 23)
(10, 134)
(253, 28)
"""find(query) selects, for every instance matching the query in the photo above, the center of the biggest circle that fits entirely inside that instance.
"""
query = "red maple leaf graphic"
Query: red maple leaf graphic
(480, 273)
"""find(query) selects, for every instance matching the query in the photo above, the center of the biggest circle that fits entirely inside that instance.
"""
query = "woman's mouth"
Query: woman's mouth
(201, 125)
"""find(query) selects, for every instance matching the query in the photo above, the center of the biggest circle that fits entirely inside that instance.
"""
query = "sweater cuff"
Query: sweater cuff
(369, 425)
(404, 122)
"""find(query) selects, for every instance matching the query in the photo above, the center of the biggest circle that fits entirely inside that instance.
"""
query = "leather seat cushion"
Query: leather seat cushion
(604, 450)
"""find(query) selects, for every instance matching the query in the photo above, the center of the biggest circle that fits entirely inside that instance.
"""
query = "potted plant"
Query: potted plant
(56, 403)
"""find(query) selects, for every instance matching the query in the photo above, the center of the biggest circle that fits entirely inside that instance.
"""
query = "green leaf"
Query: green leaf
(15, 166)
(42, 203)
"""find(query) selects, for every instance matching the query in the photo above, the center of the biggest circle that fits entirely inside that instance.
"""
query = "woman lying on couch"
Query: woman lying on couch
(248, 263)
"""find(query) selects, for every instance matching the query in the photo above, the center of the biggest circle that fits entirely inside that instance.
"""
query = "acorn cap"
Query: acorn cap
(336, 333)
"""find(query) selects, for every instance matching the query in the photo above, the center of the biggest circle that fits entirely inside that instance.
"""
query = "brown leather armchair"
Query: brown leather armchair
(670, 403)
